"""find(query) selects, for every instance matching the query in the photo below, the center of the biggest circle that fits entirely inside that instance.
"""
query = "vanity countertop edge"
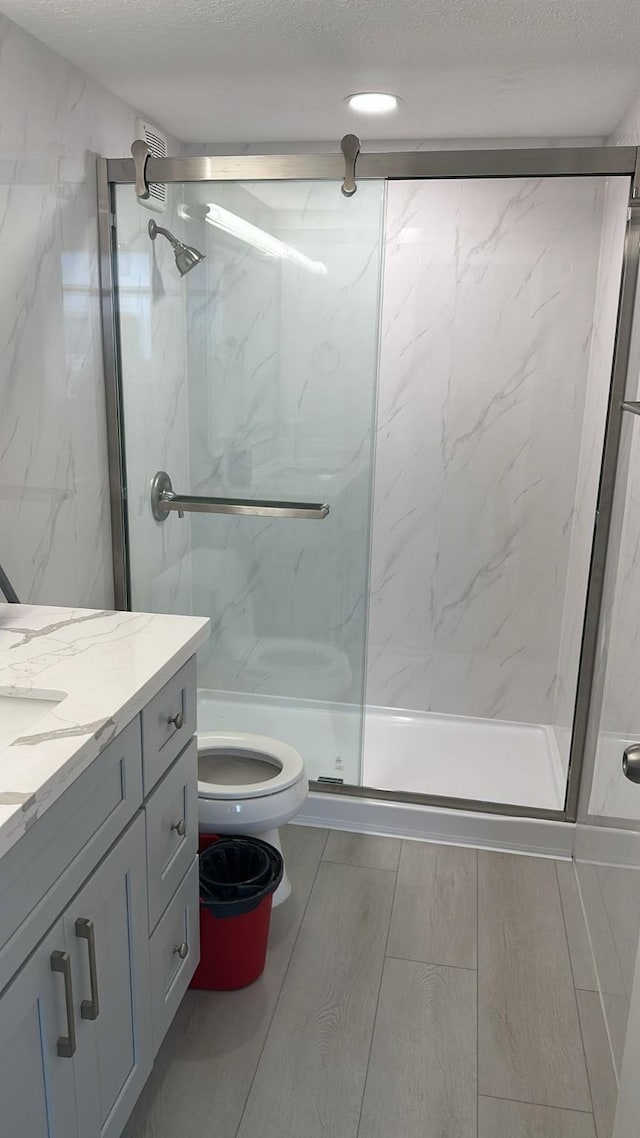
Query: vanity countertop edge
(106, 665)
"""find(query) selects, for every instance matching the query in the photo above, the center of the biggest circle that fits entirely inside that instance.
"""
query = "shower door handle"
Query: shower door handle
(165, 501)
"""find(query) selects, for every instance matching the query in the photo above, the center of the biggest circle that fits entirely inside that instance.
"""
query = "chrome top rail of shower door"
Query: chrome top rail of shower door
(165, 501)
(532, 162)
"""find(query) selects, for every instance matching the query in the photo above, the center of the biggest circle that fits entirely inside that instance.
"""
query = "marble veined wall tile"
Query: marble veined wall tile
(418, 312)
(282, 366)
(153, 348)
(54, 500)
(487, 315)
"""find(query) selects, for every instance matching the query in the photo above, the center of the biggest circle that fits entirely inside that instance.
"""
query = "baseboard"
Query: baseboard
(532, 836)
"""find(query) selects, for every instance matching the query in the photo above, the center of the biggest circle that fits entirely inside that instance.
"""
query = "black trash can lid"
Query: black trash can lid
(236, 873)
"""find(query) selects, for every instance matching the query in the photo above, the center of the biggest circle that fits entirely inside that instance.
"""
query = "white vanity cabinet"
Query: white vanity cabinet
(99, 975)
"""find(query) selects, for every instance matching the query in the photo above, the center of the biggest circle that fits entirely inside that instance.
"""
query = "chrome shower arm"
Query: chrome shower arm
(154, 229)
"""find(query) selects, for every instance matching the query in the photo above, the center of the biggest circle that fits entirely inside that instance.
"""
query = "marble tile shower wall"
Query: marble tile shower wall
(486, 330)
(153, 347)
(54, 500)
(233, 359)
(282, 379)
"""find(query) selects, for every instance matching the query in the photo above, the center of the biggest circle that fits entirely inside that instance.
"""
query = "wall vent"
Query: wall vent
(157, 143)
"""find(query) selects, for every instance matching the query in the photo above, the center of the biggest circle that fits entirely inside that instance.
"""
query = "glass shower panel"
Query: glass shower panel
(498, 321)
(607, 843)
(254, 377)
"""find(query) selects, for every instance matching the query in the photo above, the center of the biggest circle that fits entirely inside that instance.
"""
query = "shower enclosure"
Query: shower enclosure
(369, 436)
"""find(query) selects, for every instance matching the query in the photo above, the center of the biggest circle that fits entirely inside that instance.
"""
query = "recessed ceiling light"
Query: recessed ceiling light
(373, 102)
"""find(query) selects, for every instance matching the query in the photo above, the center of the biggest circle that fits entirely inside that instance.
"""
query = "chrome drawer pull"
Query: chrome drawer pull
(182, 950)
(180, 828)
(89, 1009)
(177, 720)
(60, 962)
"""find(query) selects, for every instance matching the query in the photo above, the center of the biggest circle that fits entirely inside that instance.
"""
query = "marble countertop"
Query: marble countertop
(105, 665)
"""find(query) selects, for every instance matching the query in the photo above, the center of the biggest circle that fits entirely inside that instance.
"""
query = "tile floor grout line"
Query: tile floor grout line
(358, 864)
(564, 922)
(429, 963)
(575, 996)
(284, 977)
(375, 1014)
(544, 1105)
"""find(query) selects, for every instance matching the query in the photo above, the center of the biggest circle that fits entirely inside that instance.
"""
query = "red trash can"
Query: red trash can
(238, 877)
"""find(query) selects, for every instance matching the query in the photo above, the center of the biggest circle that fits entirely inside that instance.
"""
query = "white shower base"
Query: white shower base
(485, 760)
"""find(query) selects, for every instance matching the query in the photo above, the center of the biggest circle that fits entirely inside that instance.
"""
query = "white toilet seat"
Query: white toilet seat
(286, 761)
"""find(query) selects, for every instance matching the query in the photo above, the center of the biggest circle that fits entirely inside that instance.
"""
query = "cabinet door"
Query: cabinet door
(106, 933)
(37, 1091)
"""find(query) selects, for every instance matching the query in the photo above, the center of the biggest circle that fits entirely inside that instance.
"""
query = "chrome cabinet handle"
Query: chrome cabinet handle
(182, 950)
(89, 1009)
(164, 500)
(180, 828)
(631, 762)
(177, 720)
(61, 962)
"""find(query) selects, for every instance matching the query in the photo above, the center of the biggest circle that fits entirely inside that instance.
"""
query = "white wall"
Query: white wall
(487, 312)
(55, 537)
(53, 499)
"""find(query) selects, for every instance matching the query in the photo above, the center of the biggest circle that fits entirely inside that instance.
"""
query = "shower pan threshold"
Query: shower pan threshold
(457, 756)
(411, 752)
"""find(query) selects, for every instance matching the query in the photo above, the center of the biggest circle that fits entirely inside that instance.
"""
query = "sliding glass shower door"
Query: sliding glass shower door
(252, 379)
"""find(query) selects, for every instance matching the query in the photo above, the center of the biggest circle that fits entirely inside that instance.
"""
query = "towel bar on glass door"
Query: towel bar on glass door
(632, 406)
(164, 501)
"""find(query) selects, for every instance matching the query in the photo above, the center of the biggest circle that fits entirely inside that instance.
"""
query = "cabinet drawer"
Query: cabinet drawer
(174, 952)
(65, 845)
(172, 830)
(167, 722)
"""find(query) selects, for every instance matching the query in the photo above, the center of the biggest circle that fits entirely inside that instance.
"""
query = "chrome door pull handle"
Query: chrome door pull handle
(61, 962)
(177, 720)
(180, 828)
(631, 762)
(164, 500)
(89, 1009)
(182, 950)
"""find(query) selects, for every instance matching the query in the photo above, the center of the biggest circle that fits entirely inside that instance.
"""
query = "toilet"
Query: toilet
(238, 658)
(249, 784)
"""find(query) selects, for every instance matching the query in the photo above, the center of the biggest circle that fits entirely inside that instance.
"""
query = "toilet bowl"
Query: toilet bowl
(249, 784)
(240, 659)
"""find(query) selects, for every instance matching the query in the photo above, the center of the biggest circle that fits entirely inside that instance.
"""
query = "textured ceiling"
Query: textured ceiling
(236, 70)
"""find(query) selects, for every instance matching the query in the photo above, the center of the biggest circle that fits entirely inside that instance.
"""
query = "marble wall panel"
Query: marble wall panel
(54, 501)
(153, 348)
(282, 370)
(487, 315)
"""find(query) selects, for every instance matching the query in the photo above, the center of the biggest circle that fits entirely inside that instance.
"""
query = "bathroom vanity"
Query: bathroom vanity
(98, 859)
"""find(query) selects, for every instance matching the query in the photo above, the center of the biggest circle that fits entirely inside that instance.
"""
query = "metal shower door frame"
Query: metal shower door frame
(614, 161)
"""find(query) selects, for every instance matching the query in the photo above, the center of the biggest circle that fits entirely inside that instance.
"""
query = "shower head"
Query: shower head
(186, 256)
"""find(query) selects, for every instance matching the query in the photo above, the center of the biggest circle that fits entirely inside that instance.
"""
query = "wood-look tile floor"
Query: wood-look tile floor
(411, 991)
